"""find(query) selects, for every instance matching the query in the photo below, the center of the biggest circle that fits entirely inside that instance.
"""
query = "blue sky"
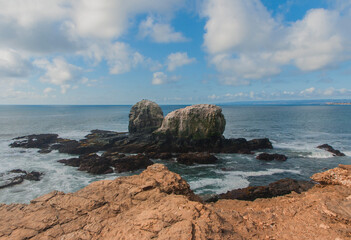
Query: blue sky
(173, 51)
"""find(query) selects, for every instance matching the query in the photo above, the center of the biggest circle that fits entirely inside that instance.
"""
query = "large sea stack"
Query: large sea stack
(197, 122)
(145, 117)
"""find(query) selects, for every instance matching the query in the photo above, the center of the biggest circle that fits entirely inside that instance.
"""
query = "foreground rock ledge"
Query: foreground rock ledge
(158, 204)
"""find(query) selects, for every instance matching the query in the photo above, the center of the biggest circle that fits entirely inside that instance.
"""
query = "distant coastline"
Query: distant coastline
(338, 103)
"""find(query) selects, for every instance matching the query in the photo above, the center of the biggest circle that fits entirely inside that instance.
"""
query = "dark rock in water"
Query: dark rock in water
(145, 117)
(132, 163)
(162, 155)
(17, 176)
(90, 163)
(45, 150)
(271, 157)
(200, 158)
(329, 148)
(202, 121)
(241, 145)
(278, 188)
(41, 141)
(94, 164)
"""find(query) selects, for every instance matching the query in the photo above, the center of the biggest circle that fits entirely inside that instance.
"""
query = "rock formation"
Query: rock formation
(278, 188)
(145, 117)
(330, 149)
(202, 121)
(17, 176)
(271, 157)
(158, 204)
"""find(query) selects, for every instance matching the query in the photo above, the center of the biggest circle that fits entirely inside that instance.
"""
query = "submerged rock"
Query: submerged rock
(199, 158)
(329, 148)
(202, 121)
(145, 117)
(17, 176)
(278, 188)
(271, 157)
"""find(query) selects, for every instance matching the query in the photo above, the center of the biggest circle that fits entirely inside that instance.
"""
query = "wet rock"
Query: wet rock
(329, 148)
(17, 176)
(199, 158)
(242, 146)
(91, 163)
(271, 157)
(145, 117)
(202, 121)
(162, 155)
(278, 188)
(132, 163)
(41, 141)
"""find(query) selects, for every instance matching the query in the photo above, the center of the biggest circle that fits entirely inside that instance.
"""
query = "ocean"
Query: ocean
(294, 131)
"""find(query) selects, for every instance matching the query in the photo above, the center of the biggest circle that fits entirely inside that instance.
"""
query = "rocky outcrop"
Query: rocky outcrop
(199, 158)
(197, 122)
(330, 149)
(17, 176)
(95, 164)
(278, 188)
(336, 176)
(271, 157)
(145, 117)
(158, 204)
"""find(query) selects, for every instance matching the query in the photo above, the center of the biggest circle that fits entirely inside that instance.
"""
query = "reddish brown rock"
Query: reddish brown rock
(158, 204)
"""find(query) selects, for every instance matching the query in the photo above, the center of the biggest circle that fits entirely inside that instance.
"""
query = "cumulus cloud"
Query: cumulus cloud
(159, 32)
(59, 72)
(245, 42)
(160, 78)
(175, 60)
(13, 65)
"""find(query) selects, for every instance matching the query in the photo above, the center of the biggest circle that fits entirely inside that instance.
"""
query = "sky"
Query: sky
(112, 52)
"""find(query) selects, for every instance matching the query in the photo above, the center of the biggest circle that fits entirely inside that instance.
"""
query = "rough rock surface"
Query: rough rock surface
(271, 157)
(202, 121)
(199, 158)
(336, 176)
(158, 204)
(278, 188)
(95, 164)
(145, 117)
(330, 149)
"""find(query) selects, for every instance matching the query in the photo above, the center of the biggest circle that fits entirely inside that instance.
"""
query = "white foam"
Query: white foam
(218, 185)
(264, 173)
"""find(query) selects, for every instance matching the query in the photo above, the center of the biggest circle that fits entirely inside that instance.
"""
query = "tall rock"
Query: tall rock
(145, 117)
(197, 122)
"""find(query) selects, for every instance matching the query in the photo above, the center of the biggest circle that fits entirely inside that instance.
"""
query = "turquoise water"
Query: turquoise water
(294, 131)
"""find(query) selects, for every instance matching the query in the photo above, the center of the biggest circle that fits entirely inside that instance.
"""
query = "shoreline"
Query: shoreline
(159, 204)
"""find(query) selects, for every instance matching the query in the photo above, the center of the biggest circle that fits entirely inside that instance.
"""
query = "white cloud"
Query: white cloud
(245, 42)
(162, 78)
(159, 78)
(13, 65)
(120, 57)
(59, 72)
(159, 32)
(48, 90)
(175, 60)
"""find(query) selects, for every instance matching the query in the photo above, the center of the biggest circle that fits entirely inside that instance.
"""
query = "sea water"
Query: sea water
(294, 131)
